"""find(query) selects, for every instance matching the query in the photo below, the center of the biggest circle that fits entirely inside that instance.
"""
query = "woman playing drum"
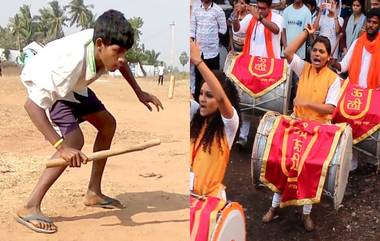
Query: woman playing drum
(317, 96)
(214, 124)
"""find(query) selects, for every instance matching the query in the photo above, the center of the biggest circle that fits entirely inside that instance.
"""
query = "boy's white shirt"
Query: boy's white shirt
(62, 67)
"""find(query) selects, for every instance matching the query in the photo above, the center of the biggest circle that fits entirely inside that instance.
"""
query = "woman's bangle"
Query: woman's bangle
(307, 31)
(58, 143)
(196, 65)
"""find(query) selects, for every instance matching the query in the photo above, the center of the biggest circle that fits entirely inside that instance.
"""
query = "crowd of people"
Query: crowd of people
(323, 41)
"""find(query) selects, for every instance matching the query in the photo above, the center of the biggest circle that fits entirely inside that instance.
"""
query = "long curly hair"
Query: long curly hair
(215, 125)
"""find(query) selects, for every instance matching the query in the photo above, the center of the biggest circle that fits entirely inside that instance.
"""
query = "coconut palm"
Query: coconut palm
(15, 27)
(151, 57)
(55, 19)
(24, 27)
(80, 14)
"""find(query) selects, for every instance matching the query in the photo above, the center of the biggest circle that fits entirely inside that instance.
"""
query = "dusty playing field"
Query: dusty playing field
(152, 183)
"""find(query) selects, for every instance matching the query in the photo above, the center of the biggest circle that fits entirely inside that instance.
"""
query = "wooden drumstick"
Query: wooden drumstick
(107, 153)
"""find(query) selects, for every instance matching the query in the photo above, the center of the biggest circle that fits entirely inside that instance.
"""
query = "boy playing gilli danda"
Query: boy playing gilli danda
(58, 100)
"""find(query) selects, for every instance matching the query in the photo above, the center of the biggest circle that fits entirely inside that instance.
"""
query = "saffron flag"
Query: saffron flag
(256, 75)
(296, 159)
(357, 107)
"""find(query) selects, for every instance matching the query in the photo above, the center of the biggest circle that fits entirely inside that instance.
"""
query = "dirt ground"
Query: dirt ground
(357, 219)
(152, 183)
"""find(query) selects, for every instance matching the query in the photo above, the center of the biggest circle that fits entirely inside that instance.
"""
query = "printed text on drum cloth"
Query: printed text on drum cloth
(296, 159)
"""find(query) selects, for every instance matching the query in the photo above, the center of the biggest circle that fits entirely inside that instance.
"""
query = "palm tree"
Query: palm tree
(152, 57)
(51, 21)
(15, 26)
(29, 25)
(24, 27)
(80, 14)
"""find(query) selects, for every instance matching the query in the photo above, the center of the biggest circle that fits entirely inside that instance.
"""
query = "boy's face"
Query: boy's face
(111, 57)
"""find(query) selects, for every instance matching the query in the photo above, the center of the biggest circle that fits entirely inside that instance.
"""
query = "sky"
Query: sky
(157, 16)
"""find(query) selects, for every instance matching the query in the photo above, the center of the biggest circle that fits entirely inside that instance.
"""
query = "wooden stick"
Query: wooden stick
(171, 87)
(107, 153)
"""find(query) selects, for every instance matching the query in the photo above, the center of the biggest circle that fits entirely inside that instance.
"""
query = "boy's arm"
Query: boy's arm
(143, 96)
(38, 116)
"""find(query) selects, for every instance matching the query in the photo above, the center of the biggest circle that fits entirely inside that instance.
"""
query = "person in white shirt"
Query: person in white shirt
(296, 17)
(56, 80)
(161, 69)
(330, 25)
(207, 21)
(278, 6)
(264, 23)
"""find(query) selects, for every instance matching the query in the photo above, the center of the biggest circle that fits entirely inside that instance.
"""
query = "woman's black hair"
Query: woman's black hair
(215, 126)
(325, 41)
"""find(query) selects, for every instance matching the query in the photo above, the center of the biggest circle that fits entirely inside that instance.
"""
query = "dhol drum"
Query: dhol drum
(213, 219)
(276, 99)
(370, 147)
(337, 176)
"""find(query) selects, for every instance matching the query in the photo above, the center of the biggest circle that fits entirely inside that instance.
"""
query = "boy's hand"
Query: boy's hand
(147, 98)
(72, 156)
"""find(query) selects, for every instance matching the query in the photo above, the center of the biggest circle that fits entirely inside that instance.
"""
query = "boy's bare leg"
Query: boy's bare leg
(105, 123)
(73, 139)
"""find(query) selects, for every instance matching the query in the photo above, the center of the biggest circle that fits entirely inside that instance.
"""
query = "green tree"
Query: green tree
(24, 27)
(137, 53)
(7, 53)
(7, 39)
(51, 21)
(183, 58)
(152, 57)
(80, 14)
(15, 27)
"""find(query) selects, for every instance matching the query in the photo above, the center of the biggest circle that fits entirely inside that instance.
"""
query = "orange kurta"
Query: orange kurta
(314, 87)
(209, 168)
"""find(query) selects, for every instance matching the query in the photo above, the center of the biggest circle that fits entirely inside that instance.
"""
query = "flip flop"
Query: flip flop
(108, 203)
(37, 217)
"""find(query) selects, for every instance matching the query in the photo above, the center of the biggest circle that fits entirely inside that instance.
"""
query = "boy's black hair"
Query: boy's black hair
(373, 12)
(215, 127)
(113, 28)
(268, 2)
(325, 41)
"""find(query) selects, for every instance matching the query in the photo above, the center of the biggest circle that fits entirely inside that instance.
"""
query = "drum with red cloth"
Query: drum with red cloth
(213, 219)
(312, 159)
(359, 108)
(263, 83)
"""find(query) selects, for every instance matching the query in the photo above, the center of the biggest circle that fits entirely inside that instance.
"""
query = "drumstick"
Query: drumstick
(107, 153)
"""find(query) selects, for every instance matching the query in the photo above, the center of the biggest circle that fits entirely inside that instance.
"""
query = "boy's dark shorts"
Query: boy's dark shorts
(66, 115)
